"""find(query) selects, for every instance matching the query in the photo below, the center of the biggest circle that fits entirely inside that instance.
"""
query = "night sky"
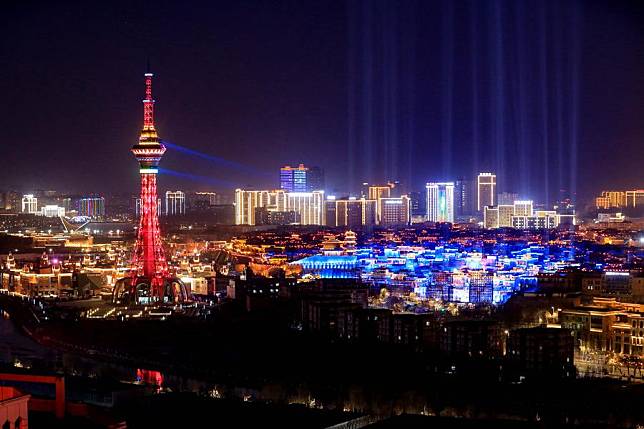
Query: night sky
(550, 95)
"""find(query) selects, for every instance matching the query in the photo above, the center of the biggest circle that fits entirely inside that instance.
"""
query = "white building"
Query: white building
(523, 208)
(29, 204)
(309, 205)
(485, 190)
(52, 211)
(175, 203)
(440, 202)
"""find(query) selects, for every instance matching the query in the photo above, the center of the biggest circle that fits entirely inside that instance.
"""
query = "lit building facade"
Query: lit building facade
(541, 219)
(394, 211)
(50, 210)
(464, 193)
(309, 206)
(490, 217)
(634, 198)
(29, 204)
(175, 203)
(505, 215)
(485, 190)
(440, 202)
(293, 179)
(350, 212)
(523, 208)
(91, 206)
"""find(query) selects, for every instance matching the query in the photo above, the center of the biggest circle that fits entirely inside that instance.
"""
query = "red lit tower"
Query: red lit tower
(149, 262)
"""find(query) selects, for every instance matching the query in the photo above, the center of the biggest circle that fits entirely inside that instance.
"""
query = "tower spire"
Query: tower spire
(148, 104)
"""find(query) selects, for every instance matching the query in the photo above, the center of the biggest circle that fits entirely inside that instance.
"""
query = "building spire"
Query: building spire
(148, 104)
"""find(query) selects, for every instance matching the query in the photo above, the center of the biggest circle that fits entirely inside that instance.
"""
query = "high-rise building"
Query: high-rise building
(293, 179)
(505, 215)
(490, 217)
(350, 212)
(29, 204)
(175, 203)
(315, 179)
(634, 198)
(616, 198)
(375, 192)
(90, 206)
(464, 196)
(440, 201)
(308, 205)
(247, 201)
(394, 211)
(301, 179)
(507, 198)
(418, 204)
(486, 190)
(523, 208)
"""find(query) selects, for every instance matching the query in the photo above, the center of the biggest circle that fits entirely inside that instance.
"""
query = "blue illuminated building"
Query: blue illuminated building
(444, 271)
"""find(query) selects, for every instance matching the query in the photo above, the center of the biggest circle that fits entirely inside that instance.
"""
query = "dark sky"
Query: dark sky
(550, 95)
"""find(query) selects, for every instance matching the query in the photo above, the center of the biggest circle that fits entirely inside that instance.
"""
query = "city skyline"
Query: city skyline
(212, 118)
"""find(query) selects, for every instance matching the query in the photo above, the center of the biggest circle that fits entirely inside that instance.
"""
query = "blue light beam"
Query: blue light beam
(217, 160)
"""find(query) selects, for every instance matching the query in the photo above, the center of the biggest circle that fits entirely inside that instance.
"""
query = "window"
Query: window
(18, 423)
(6, 425)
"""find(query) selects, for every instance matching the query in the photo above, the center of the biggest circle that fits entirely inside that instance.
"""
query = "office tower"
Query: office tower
(505, 215)
(394, 211)
(523, 208)
(301, 179)
(308, 205)
(507, 198)
(464, 195)
(90, 206)
(634, 198)
(29, 204)
(490, 217)
(200, 201)
(418, 201)
(486, 190)
(440, 201)
(375, 192)
(615, 198)
(293, 179)
(247, 201)
(175, 203)
(315, 179)
(350, 212)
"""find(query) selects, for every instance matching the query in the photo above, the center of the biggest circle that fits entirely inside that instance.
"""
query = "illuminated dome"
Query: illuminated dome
(172, 290)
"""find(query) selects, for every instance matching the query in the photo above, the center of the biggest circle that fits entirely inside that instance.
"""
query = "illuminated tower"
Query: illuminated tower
(149, 259)
(486, 190)
(440, 202)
